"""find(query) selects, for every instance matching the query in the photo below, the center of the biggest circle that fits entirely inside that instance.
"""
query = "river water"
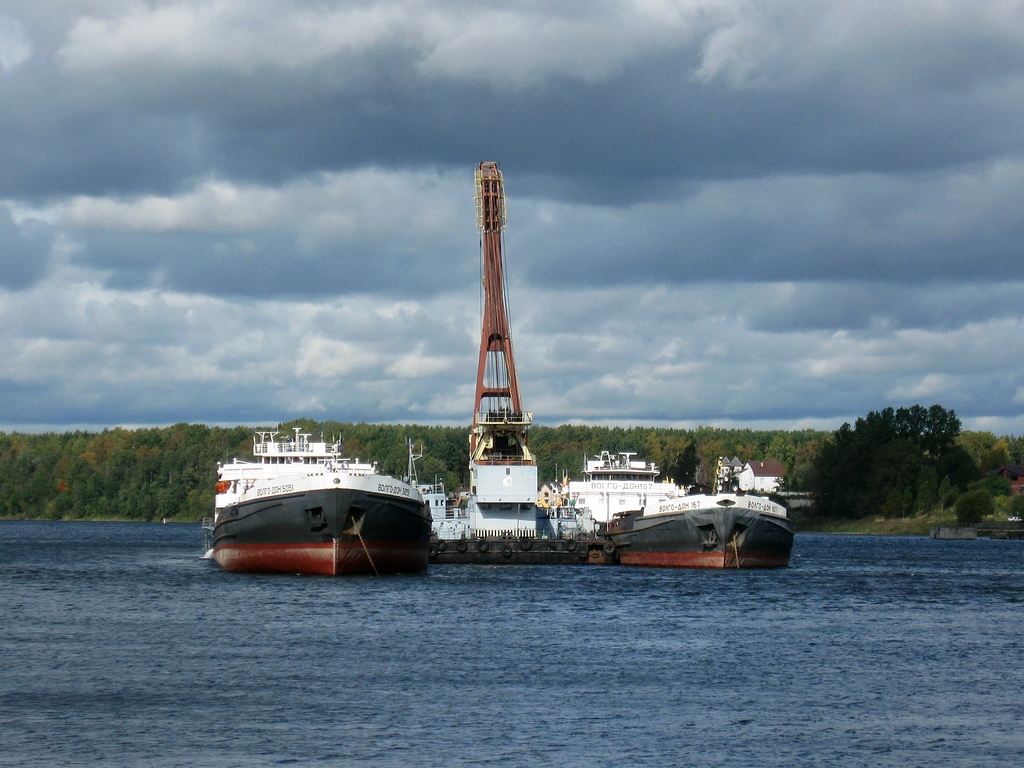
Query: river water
(119, 646)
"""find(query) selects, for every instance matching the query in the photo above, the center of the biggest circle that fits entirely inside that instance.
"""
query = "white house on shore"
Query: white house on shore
(761, 476)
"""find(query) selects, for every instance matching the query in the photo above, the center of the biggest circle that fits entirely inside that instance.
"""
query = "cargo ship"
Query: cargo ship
(300, 507)
(722, 527)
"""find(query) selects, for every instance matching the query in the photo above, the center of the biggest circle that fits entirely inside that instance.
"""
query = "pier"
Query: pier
(1008, 530)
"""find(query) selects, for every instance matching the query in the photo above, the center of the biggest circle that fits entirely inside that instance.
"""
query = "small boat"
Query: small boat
(302, 508)
(719, 528)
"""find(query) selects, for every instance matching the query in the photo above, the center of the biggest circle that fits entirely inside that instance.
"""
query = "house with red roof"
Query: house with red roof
(762, 476)
(1012, 472)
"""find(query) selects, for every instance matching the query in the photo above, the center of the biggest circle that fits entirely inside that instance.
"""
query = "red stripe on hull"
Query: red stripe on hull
(703, 559)
(326, 559)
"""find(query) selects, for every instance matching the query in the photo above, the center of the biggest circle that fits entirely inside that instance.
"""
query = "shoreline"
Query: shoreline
(919, 525)
(23, 519)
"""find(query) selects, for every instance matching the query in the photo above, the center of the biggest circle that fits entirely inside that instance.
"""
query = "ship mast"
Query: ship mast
(500, 426)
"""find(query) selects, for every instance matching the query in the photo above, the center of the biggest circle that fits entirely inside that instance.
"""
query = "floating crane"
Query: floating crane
(503, 473)
(502, 521)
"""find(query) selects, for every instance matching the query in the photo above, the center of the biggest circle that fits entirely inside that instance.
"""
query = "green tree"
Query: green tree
(976, 443)
(996, 457)
(1016, 508)
(894, 475)
(927, 496)
(876, 466)
(973, 507)
(1015, 446)
(996, 485)
(948, 493)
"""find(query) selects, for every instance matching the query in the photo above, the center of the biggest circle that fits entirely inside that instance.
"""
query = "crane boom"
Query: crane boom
(500, 425)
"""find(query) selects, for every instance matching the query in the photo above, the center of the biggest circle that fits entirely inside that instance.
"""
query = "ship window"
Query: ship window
(508, 470)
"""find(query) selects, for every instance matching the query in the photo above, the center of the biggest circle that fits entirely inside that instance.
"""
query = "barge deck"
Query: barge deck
(523, 551)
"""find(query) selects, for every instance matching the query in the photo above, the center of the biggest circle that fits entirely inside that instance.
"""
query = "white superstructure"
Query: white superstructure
(277, 458)
(616, 483)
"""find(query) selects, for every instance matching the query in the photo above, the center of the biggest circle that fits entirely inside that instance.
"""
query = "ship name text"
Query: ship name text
(679, 506)
(619, 486)
(394, 490)
(275, 489)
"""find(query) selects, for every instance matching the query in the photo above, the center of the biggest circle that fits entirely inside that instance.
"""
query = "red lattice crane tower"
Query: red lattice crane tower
(500, 425)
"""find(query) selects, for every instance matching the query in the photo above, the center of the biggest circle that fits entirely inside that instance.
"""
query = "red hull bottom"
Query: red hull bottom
(326, 559)
(704, 559)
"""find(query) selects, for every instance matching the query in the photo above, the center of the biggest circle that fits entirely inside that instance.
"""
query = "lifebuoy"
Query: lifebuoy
(525, 544)
(462, 546)
(482, 546)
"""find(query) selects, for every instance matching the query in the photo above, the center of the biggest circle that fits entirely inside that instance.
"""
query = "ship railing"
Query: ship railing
(512, 533)
(241, 470)
(497, 457)
(564, 512)
(282, 448)
(525, 533)
(504, 416)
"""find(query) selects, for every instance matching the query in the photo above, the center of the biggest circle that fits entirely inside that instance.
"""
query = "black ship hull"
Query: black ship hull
(330, 531)
(710, 536)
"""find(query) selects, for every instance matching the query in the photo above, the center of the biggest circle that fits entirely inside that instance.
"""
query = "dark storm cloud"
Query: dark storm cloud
(65, 137)
(643, 127)
(817, 160)
(24, 250)
(861, 306)
(59, 403)
(816, 167)
(735, 209)
(916, 229)
(268, 264)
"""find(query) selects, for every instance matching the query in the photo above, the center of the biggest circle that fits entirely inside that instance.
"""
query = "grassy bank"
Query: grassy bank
(918, 525)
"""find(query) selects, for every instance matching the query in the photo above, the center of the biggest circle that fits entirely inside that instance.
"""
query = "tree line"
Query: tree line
(893, 462)
(910, 461)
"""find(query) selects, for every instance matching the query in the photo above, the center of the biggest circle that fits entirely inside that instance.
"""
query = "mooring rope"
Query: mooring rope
(366, 549)
(356, 525)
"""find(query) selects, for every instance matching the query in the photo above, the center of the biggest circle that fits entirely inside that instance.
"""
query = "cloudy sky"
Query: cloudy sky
(728, 212)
